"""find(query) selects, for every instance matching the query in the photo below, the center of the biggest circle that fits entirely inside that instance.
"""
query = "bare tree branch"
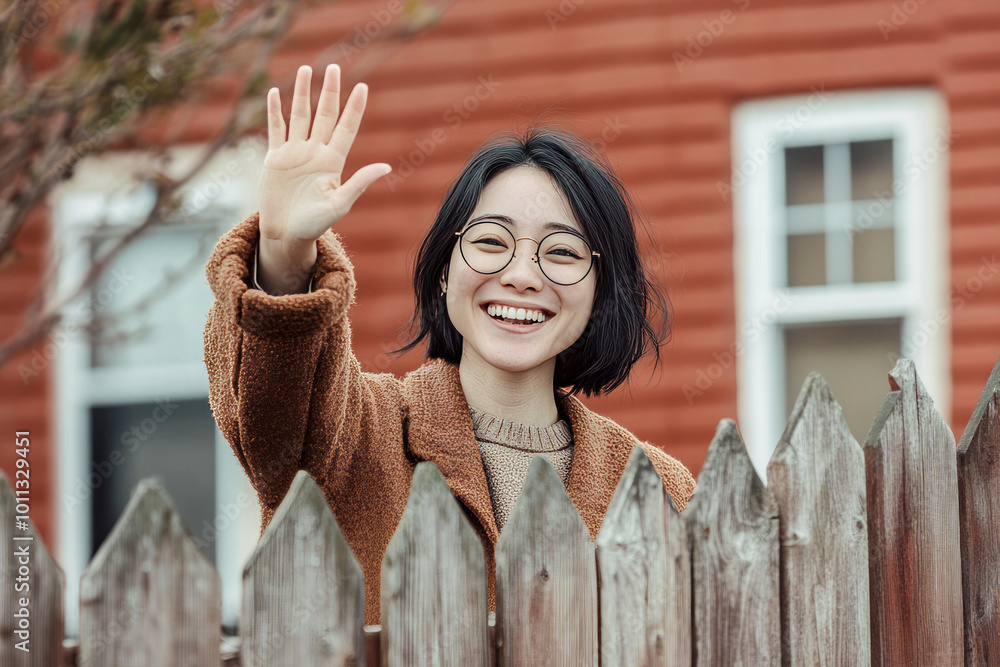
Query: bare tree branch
(165, 205)
(118, 71)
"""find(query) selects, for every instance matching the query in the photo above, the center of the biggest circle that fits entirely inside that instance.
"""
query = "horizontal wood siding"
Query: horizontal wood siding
(26, 397)
(591, 65)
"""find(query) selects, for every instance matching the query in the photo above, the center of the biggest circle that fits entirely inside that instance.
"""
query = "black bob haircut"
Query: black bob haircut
(630, 316)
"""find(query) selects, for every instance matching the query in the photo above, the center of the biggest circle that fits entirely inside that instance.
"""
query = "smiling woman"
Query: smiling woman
(529, 290)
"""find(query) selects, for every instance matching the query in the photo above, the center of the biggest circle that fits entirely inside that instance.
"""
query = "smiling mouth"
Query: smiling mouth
(510, 315)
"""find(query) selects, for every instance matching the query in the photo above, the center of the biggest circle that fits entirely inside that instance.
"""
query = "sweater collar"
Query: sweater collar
(440, 430)
(523, 437)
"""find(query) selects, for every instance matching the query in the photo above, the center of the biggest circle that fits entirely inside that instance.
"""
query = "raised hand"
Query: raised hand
(301, 194)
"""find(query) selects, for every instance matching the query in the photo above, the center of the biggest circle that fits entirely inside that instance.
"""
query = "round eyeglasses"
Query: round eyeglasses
(564, 257)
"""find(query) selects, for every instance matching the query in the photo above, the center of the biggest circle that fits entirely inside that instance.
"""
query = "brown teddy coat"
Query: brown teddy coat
(289, 394)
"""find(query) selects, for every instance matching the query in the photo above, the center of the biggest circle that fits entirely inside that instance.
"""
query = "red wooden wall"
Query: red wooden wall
(26, 392)
(608, 70)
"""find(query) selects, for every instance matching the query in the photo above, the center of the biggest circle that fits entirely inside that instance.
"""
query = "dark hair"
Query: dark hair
(621, 329)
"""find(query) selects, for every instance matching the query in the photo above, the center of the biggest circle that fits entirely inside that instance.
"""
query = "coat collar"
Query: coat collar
(440, 430)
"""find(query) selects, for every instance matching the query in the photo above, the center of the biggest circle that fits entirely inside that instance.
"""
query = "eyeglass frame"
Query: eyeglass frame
(534, 258)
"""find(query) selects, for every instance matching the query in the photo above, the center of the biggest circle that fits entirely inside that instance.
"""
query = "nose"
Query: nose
(523, 272)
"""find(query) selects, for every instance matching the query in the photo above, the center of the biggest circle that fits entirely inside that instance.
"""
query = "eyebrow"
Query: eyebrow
(555, 226)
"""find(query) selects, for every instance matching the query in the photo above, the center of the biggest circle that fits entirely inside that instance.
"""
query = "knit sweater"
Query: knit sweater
(288, 393)
(507, 448)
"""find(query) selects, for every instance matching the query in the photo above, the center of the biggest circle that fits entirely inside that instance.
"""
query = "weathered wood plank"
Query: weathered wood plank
(434, 591)
(979, 509)
(149, 596)
(303, 589)
(644, 573)
(914, 557)
(32, 633)
(732, 522)
(680, 597)
(546, 578)
(817, 475)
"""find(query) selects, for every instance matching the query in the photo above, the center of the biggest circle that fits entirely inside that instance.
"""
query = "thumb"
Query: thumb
(360, 180)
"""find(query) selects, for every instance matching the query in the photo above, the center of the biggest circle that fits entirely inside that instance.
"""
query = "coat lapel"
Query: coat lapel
(440, 430)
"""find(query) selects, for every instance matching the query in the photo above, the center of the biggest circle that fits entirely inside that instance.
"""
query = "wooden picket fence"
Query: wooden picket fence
(886, 553)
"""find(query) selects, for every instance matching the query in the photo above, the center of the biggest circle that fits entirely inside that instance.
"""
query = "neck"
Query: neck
(526, 397)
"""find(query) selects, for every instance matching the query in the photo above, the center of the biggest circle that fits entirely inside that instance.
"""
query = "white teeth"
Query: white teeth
(512, 313)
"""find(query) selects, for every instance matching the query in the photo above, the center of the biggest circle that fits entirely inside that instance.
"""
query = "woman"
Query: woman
(529, 290)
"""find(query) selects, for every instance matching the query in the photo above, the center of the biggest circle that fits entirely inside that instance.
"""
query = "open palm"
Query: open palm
(301, 193)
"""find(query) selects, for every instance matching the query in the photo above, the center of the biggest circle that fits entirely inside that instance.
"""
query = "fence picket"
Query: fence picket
(149, 596)
(915, 561)
(817, 475)
(303, 589)
(732, 522)
(644, 575)
(979, 503)
(434, 589)
(680, 638)
(41, 586)
(546, 578)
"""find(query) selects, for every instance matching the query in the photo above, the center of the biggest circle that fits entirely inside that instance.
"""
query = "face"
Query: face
(529, 203)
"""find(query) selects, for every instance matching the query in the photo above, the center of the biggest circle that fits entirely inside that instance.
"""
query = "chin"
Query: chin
(512, 360)
(509, 365)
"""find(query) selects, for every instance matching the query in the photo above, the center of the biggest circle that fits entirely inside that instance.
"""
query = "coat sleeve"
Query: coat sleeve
(284, 386)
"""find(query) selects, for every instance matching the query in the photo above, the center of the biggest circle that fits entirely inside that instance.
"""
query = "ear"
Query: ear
(443, 283)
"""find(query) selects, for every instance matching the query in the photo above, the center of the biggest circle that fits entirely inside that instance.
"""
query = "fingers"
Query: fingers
(275, 121)
(329, 105)
(298, 127)
(350, 120)
(349, 192)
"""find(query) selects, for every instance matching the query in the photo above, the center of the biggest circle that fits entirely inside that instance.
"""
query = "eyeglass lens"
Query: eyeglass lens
(564, 258)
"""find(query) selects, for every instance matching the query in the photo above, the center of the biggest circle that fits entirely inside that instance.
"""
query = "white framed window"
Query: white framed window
(841, 251)
(131, 392)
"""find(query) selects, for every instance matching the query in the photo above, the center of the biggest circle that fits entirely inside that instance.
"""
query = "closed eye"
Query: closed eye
(491, 242)
(564, 252)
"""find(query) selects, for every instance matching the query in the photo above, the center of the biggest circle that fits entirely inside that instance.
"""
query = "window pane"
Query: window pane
(804, 175)
(871, 169)
(172, 440)
(855, 359)
(874, 255)
(806, 259)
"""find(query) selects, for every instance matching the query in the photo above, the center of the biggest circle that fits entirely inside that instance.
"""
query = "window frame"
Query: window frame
(76, 207)
(916, 120)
